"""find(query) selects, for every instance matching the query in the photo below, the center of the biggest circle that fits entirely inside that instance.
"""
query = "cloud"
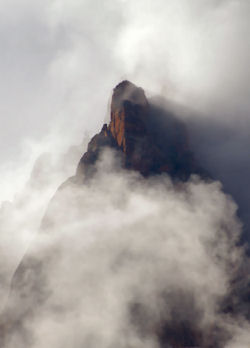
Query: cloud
(127, 262)
(60, 61)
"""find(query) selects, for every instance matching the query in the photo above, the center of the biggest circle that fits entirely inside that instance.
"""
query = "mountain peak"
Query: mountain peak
(126, 91)
(149, 139)
(129, 110)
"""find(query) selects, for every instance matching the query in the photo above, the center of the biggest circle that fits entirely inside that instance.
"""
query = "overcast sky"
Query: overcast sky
(60, 59)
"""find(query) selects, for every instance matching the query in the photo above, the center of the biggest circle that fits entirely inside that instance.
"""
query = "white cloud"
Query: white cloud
(59, 63)
(124, 241)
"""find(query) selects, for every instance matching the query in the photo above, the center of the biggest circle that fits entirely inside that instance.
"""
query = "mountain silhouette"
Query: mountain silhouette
(151, 142)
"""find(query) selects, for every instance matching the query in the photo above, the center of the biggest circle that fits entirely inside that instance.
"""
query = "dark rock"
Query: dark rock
(150, 140)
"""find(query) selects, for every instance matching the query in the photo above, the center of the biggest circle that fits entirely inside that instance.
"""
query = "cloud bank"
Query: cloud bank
(128, 262)
(60, 61)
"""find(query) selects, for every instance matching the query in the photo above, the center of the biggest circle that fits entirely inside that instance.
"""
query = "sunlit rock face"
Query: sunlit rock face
(150, 140)
(129, 114)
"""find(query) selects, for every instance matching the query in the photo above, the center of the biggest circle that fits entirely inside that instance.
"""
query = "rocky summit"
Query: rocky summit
(149, 139)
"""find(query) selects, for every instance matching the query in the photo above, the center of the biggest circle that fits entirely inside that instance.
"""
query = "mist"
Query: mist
(60, 61)
(126, 259)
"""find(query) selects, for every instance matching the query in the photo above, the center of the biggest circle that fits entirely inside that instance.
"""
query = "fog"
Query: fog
(60, 61)
(125, 258)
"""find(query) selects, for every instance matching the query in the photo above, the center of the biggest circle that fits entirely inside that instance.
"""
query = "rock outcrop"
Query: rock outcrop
(149, 139)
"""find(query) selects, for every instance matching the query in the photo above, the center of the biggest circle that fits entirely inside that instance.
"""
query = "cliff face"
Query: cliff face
(148, 139)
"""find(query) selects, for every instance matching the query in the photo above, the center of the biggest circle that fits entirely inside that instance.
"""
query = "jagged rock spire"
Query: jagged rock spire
(150, 140)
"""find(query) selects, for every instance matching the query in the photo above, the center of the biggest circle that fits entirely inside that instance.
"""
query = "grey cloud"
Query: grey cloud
(116, 255)
(60, 61)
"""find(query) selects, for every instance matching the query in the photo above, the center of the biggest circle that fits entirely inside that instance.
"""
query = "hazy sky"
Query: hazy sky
(59, 61)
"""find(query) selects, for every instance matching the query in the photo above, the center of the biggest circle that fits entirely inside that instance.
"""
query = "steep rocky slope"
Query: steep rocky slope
(149, 140)
(145, 138)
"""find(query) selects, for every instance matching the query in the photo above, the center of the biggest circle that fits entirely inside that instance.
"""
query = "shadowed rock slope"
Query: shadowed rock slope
(145, 137)
(148, 139)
